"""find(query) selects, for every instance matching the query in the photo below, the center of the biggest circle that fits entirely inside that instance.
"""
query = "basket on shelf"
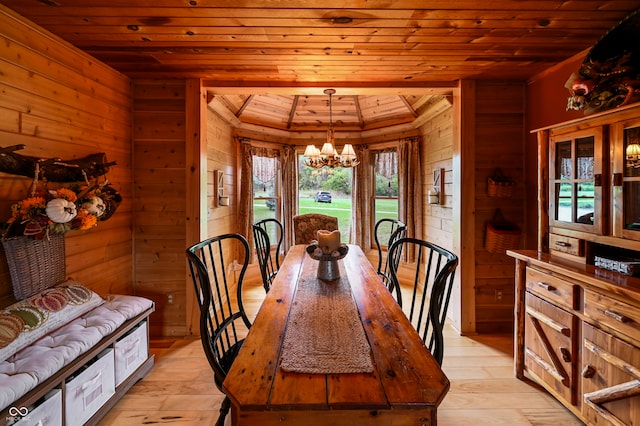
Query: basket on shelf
(499, 185)
(34, 265)
(501, 234)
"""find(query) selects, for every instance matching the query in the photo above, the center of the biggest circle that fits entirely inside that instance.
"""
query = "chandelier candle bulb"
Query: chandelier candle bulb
(348, 152)
(328, 241)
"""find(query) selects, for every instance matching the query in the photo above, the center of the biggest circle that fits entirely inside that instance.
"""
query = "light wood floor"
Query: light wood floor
(180, 389)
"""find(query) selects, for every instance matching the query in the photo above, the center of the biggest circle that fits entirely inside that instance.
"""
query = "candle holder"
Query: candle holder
(328, 269)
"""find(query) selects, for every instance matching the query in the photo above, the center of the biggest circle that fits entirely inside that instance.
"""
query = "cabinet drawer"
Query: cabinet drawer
(89, 389)
(617, 315)
(609, 379)
(131, 351)
(569, 245)
(552, 288)
(551, 346)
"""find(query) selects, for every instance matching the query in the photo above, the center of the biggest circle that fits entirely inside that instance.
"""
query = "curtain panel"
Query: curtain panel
(286, 155)
(361, 198)
(289, 187)
(410, 186)
(245, 206)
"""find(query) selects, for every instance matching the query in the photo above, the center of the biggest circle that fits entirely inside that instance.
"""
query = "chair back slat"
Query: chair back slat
(268, 261)
(222, 316)
(431, 284)
(386, 232)
(275, 231)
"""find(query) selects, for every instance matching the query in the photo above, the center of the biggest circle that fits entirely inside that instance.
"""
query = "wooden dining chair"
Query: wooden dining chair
(268, 261)
(306, 225)
(387, 231)
(223, 321)
(433, 270)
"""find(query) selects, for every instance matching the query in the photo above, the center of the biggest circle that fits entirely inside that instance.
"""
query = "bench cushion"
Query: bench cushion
(26, 321)
(37, 362)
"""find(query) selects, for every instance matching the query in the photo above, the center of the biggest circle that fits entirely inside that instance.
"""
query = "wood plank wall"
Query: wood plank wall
(222, 151)
(159, 151)
(60, 102)
(437, 153)
(500, 141)
(162, 194)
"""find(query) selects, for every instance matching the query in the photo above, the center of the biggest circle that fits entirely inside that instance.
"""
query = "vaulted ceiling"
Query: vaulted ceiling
(303, 113)
(293, 49)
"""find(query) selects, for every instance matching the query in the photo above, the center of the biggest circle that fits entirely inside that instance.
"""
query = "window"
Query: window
(386, 186)
(265, 188)
(326, 191)
(575, 193)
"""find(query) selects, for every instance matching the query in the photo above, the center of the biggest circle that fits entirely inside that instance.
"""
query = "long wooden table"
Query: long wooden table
(406, 387)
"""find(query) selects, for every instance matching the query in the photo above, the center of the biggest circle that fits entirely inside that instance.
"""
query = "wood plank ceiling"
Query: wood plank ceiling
(402, 49)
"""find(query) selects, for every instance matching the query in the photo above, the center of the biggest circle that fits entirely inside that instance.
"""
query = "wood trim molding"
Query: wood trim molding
(463, 162)
(196, 181)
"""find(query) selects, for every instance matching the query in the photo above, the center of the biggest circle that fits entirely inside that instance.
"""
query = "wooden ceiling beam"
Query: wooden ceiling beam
(227, 115)
(356, 102)
(296, 98)
(408, 105)
(244, 106)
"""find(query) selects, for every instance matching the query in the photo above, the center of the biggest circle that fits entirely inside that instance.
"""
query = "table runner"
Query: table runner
(324, 334)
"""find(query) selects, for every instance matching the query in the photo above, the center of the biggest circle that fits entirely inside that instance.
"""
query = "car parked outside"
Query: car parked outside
(322, 197)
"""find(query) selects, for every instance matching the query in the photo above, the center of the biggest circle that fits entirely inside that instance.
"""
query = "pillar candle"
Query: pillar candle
(328, 241)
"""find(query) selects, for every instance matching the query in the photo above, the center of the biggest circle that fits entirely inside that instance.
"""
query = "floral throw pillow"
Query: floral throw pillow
(26, 321)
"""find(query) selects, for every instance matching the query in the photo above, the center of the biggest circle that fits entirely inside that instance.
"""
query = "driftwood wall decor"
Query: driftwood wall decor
(53, 169)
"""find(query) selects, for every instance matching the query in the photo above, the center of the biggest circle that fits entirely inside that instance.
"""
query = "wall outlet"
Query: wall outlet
(170, 298)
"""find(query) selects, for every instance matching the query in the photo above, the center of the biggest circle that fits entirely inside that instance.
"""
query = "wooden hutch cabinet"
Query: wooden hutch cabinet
(578, 295)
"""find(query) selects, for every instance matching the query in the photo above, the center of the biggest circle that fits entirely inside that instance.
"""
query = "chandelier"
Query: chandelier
(328, 155)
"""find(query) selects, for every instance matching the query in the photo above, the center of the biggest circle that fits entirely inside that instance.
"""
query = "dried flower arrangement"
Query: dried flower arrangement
(56, 208)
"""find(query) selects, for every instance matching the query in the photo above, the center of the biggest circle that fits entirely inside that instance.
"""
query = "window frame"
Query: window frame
(375, 196)
(277, 190)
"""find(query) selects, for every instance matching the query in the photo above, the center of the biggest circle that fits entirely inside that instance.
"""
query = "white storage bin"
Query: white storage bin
(46, 412)
(90, 388)
(131, 351)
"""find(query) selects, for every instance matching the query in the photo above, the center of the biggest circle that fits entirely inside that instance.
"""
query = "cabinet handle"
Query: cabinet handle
(546, 286)
(616, 316)
(616, 179)
(597, 179)
(588, 372)
(563, 244)
(566, 355)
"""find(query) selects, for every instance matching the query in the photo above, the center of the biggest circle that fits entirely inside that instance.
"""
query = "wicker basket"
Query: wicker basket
(34, 265)
(499, 185)
(501, 234)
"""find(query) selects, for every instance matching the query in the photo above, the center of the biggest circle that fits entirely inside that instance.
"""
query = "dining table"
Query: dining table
(338, 352)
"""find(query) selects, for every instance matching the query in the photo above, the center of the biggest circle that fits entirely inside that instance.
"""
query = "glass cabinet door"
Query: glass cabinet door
(575, 186)
(626, 180)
